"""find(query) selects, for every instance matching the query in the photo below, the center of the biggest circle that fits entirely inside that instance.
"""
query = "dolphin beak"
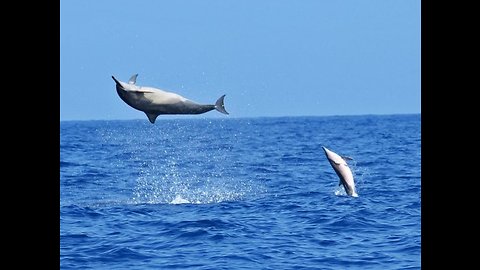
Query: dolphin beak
(118, 83)
(327, 152)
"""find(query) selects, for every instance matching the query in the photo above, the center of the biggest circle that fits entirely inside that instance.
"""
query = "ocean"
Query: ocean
(240, 193)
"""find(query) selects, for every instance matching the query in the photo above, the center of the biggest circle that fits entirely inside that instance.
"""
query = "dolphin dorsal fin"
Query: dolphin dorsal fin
(133, 79)
(151, 117)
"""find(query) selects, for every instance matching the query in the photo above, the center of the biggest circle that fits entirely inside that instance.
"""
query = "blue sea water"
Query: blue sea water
(240, 193)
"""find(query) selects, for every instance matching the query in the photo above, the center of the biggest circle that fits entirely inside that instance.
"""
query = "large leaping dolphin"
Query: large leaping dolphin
(339, 164)
(153, 101)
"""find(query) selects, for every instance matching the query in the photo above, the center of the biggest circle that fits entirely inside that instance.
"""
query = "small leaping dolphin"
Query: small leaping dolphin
(153, 101)
(339, 164)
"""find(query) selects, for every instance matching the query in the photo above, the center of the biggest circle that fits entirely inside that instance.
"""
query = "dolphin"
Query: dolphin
(339, 164)
(154, 101)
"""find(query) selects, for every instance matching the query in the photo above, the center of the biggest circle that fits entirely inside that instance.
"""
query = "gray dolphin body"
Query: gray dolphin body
(154, 101)
(340, 166)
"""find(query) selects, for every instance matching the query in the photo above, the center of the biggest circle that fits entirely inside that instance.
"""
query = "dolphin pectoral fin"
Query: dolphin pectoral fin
(133, 79)
(346, 158)
(219, 106)
(151, 117)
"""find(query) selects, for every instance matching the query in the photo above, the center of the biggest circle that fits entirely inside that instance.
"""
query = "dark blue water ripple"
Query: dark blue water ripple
(253, 193)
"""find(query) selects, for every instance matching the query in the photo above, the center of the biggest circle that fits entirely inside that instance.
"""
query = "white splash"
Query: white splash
(340, 191)
(179, 200)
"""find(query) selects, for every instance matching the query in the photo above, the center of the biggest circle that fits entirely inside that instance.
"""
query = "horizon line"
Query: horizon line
(190, 117)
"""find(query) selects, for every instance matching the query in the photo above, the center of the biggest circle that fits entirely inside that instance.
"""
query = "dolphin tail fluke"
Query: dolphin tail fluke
(219, 106)
(152, 117)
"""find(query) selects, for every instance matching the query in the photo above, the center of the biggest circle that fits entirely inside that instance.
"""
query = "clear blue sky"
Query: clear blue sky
(270, 57)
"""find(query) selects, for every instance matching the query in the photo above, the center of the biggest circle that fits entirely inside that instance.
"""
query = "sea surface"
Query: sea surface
(240, 193)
